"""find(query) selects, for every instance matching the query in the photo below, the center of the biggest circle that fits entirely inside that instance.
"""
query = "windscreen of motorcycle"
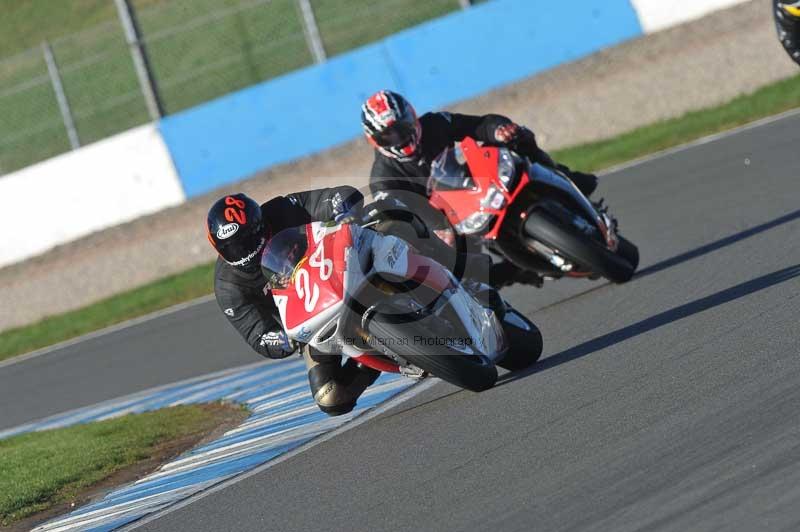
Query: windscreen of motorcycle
(449, 171)
(282, 255)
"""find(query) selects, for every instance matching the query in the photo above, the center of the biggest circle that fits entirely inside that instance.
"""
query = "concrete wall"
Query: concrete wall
(69, 196)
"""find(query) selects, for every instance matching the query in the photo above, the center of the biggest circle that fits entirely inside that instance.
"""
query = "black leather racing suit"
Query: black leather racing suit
(788, 28)
(254, 315)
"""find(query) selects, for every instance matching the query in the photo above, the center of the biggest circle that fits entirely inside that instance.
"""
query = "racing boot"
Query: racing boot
(586, 183)
(336, 387)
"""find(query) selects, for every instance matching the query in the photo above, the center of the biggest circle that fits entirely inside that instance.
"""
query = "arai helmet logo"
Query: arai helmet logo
(227, 231)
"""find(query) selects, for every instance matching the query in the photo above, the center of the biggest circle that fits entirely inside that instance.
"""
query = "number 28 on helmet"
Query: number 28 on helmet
(236, 231)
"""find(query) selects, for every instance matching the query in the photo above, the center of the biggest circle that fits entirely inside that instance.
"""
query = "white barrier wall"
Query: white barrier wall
(100, 185)
(659, 14)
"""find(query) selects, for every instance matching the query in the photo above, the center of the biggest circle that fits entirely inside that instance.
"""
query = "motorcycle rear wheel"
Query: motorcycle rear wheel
(410, 341)
(578, 247)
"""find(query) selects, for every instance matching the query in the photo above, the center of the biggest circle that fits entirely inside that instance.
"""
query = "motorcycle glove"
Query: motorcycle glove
(278, 344)
(511, 133)
(523, 141)
(346, 209)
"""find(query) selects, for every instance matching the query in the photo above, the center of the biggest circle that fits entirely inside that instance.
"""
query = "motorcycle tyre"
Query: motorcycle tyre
(525, 346)
(578, 247)
(472, 373)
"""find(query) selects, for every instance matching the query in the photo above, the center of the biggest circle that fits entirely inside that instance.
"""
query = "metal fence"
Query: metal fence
(83, 87)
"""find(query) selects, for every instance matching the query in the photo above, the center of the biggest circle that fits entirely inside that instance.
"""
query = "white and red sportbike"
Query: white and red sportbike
(348, 290)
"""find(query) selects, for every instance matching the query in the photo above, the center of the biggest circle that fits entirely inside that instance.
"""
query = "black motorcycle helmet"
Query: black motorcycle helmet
(236, 230)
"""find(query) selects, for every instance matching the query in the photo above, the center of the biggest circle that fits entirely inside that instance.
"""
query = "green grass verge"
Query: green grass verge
(768, 101)
(137, 302)
(43, 469)
(199, 50)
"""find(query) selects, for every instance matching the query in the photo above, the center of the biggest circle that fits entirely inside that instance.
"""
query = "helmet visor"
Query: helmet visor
(398, 135)
(283, 254)
(243, 250)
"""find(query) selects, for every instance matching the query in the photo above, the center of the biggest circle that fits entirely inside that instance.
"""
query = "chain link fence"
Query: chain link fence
(197, 50)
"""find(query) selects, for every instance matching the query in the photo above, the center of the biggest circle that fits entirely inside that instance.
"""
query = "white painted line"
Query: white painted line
(101, 514)
(253, 400)
(265, 404)
(246, 447)
(398, 399)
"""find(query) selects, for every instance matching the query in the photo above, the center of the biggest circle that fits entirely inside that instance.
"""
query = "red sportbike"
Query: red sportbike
(530, 214)
(348, 290)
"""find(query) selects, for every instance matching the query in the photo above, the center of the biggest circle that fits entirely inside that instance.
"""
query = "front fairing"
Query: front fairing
(390, 256)
(316, 290)
(481, 324)
(328, 332)
(461, 177)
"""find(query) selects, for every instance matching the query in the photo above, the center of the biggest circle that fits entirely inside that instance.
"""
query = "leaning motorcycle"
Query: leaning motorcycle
(347, 290)
(532, 215)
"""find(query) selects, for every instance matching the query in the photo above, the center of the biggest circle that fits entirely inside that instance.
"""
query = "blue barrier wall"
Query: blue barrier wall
(437, 63)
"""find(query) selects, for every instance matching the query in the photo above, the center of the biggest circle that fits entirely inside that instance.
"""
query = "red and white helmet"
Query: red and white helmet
(391, 125)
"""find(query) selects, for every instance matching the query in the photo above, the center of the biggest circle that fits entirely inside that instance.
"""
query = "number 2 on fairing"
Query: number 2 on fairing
(302, 286)
(310, 295)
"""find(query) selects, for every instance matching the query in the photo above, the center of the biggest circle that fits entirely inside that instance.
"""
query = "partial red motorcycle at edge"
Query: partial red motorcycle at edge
(530, 214)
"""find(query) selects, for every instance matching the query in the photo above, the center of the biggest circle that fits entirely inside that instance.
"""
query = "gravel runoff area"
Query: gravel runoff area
(696, 65)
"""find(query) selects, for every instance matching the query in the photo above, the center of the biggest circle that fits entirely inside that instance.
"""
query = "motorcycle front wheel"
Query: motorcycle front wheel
(444, 357)
(524, 342)
(580, 248)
